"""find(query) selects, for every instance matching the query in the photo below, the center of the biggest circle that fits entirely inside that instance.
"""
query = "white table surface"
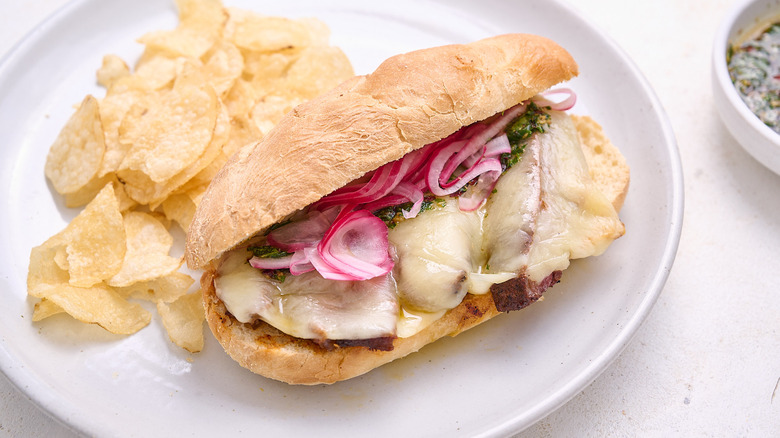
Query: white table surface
(707, 360)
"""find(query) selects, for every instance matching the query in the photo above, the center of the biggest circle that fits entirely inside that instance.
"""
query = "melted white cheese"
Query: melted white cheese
(577, 220)
(512, 212)
(308, 306)
(435, 253)
(411, 322)
(545, 210)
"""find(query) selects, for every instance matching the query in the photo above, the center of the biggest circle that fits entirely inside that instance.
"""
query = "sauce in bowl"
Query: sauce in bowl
(754, 68)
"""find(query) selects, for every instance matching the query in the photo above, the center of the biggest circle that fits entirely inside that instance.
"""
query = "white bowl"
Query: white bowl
(758, 139)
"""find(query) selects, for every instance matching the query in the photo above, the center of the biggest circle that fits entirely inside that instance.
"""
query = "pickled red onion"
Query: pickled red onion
(300, 263)
(301, 234)
(564, 105)
(270, 262)
(355, 246)
(343, 240)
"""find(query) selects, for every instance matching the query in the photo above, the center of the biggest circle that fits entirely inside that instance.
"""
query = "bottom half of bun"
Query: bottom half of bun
(269, 352)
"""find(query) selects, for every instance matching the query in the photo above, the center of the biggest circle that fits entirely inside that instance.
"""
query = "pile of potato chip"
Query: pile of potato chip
(141, 158)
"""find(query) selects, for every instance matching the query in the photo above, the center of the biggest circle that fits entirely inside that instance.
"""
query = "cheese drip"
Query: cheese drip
(545, 210)
(308, 306)
(577, 220)
(436, 251)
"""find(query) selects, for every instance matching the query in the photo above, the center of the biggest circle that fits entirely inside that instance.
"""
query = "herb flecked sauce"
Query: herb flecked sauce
(754, 68)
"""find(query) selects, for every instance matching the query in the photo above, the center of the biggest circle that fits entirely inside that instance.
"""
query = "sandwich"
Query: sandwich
(447, 187)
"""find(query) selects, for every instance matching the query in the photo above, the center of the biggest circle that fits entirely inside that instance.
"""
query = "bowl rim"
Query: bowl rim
(737, 13)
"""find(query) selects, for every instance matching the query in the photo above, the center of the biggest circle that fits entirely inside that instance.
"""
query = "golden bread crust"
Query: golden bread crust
(607, 166)
(409, 101)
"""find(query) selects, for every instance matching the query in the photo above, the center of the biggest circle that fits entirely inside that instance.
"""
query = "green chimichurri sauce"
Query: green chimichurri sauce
(754, 68)
(534, 120)
(267, 252)
(271, 252)
(392, 216)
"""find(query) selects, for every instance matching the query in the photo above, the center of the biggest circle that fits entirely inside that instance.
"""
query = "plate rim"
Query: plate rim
(676, 190)
(35, 390)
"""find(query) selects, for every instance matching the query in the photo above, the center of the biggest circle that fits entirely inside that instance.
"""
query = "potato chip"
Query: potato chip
(141, 188)
(157, 69)
(266, 34)
(241, 133)
(77, 153)
(241, 98)
(43, 269)
(200, 22)
(269, 110)
(61, 257)
(160, 216)
(319, 32)
(207, 16)
(99, 305)
(44, 309)
(166, 289)
(84, 195)
(112, 69)
(265, 71)
(168, 131)
(148, 245)
(183, 319)
(196, 193)
(113, 108)
(317, 70)
(96, 240)
(96, 304)
(179, 42)
(223, 66)
(179, 208)
(204, 177)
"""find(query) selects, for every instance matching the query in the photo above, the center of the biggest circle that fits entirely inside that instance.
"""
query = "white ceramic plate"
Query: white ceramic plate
(494, 380)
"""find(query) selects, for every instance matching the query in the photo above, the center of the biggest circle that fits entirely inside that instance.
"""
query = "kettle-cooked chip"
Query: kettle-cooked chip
(317, 69)
(179, 208)
(267, 34)
(44, 309)
(148, 245)
(204, 177)
(181, 41)
(183, 319)
(87, 193)
(99, 305)
(112, 69)
(200, 22)
(158, 69)
(95, 240)
(77, 153)
(43, 267)
(166, 289)
(95, 304)
(141, 188)
(168, 130)
(61, 257)
(118, 101)
(223, 66)
(268, 111)
(206, 15)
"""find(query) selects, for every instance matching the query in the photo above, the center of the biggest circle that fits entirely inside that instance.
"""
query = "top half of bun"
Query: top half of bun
(409, 101)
